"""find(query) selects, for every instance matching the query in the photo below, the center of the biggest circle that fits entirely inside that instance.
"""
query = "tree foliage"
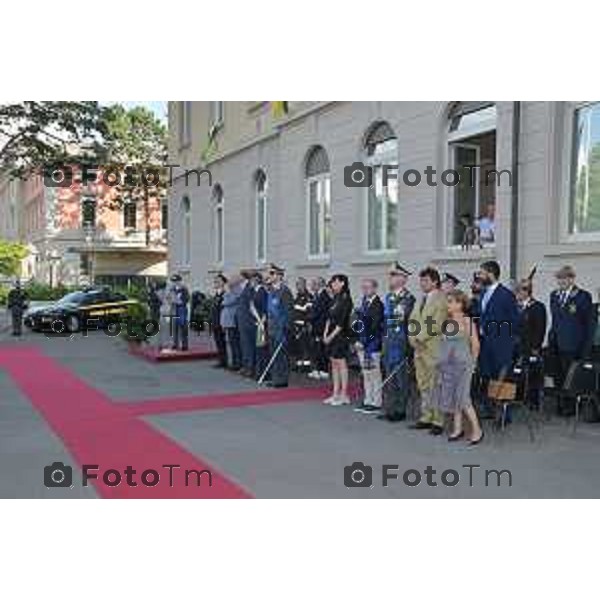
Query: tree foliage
(11, 255)
(135, 139)
(36, 134)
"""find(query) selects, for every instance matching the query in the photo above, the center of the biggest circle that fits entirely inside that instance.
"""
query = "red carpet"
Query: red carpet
(96, 431)
(153, 354)
(253, 398)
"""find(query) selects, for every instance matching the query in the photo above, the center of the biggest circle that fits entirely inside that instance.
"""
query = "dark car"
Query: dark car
(94, 308)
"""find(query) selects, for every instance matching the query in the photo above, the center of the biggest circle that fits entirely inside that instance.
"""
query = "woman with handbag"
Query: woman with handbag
(459, 349)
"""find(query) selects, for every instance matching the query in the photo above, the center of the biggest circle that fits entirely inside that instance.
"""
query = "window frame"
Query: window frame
(127, 206)
(186, 232)
(261, 198)
(452, 139)
(217, 113)
(218, 200)
(567, 235)
(388, 157)
(185, 123)
(323, 181)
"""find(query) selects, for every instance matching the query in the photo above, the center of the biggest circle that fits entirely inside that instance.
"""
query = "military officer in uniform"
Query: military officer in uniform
(449, 282)
(280, 304)
(572, 330)
(17, 303)
(397, 354)
(180, 299)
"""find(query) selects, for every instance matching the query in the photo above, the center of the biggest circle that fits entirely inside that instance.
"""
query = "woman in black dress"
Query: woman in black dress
(337, 339)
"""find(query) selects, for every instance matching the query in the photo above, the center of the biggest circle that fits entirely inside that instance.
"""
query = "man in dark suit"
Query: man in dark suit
(498, 327)
(368, 329)
(246, 324)
(571, 334)
(318, 317)
(532, 331)
(215, 319)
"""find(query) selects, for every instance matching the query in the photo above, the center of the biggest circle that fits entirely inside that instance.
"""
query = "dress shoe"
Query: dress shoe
(421, 425)
(436, 430)
(478, 441)
(456, 437)
(391, 418)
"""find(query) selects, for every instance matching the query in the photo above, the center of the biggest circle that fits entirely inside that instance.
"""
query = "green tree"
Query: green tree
(36, 134)
(135, 139)
(11, 255)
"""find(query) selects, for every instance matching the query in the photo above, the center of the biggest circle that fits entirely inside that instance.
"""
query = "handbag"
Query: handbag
(500, 390)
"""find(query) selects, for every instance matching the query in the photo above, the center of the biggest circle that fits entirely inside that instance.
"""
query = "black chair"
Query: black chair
(582, 385)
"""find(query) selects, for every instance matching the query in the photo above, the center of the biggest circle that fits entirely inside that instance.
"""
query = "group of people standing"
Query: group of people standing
(429, 359)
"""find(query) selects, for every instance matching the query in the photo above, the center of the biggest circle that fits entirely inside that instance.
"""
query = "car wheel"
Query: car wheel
(72, 323)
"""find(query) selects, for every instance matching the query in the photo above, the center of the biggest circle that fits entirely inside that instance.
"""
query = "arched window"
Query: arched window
(186, 230)
(318, 194)
(471, 142)
(219, 224)
(261, 216)
(381, 149)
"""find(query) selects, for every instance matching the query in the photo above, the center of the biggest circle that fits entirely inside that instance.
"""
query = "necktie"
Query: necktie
(423, 303)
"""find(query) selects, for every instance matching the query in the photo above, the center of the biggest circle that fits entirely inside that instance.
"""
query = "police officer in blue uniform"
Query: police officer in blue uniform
(280, 304)
(572, 330)
(397, 354)
(180, 299)
(16, 304)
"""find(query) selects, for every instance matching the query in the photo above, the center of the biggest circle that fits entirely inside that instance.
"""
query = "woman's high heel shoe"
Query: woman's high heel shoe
(478, 441)
(456, 437)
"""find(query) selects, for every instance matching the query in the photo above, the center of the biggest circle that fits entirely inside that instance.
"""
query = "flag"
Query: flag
(279, 109)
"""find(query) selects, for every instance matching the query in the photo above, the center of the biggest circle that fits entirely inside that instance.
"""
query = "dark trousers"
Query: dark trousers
(17, 322)
(234, 352)
(397, 389)
(262, 360)
(565, 405)
(180, 334)
(221, 344)
(248, 348)
(280, 369)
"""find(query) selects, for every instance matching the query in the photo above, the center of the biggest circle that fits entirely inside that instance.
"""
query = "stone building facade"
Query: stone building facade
(279, 192)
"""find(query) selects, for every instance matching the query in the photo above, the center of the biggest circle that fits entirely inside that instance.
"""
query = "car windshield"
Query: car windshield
(72, 298)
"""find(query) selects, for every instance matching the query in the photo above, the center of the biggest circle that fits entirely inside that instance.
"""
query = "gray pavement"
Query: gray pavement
(286, 450)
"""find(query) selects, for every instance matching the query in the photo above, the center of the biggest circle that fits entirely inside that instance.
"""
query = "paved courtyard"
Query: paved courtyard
(88, 401)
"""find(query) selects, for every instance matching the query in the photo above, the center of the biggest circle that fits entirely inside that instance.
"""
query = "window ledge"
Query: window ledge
(574, 248)
(457, 254)
(311, 263)
(376, 259)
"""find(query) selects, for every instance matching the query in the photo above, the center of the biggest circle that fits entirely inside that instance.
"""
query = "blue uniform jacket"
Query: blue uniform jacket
(368, 325)
(397, 309)
(279, 305)
(499, 328)
(572, 328)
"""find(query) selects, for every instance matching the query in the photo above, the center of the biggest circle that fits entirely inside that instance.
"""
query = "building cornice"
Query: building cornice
(255, 141)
